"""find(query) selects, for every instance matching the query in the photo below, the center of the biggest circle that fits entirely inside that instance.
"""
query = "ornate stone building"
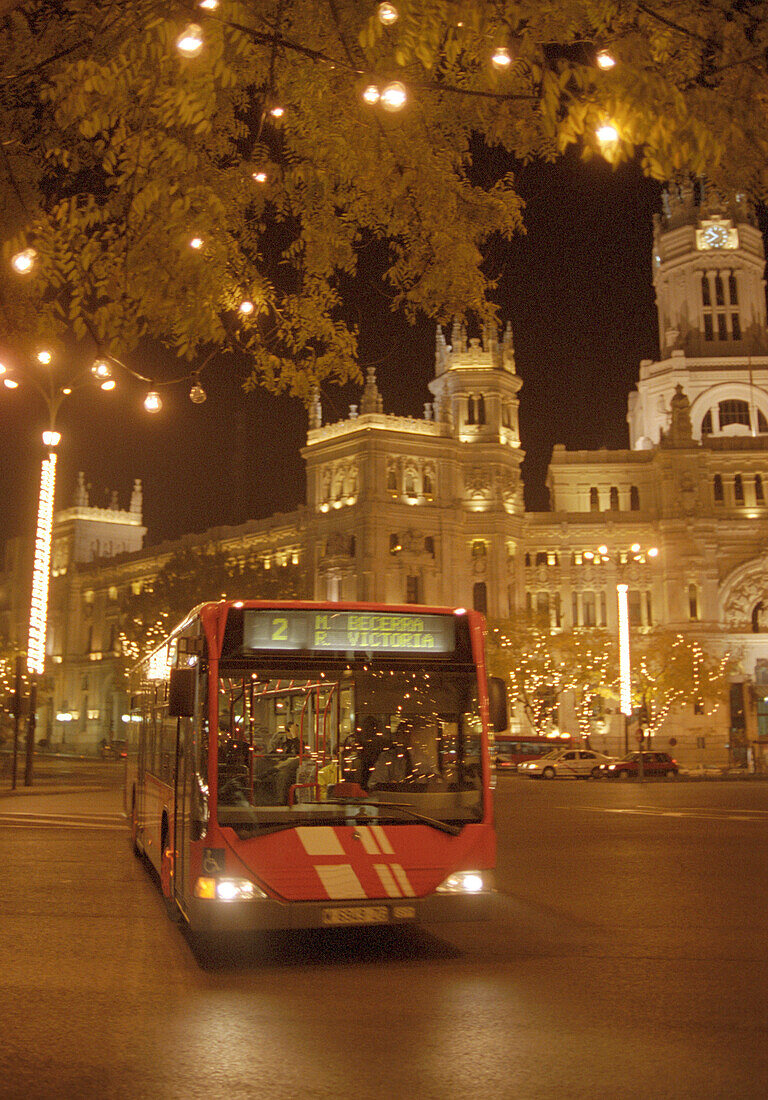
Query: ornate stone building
(430, 509)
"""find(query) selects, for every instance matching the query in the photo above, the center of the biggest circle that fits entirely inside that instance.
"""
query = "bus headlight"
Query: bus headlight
(227, 889)
(462, 882)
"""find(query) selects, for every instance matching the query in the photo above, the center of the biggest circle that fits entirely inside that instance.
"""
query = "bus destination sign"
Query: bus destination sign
(349, 631)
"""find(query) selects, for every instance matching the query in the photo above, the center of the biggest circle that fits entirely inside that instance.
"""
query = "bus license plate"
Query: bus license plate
(357, 914)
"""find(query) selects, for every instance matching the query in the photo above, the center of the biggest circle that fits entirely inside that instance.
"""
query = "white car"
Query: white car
(577, 763)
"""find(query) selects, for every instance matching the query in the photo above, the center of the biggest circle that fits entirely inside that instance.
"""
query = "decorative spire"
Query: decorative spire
(371, 401)
(315, 410)
(136, 498)
(81, 492)
(508, 350)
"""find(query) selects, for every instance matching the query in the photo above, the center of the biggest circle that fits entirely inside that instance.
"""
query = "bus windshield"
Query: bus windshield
(325, 744)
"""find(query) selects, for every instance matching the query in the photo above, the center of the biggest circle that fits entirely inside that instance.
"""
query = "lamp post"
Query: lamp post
(54, 390)
(639, 555)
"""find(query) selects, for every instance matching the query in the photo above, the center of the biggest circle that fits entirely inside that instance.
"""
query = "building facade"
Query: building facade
(430, 509)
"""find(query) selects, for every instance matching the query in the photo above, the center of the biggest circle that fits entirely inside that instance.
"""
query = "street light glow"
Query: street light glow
(38, 618)
(23, 262)
(625, 694)
(190, 41)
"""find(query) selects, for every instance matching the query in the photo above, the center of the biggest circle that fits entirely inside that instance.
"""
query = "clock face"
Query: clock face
(715, 236)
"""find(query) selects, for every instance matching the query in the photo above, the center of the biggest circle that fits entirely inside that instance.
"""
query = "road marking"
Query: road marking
(701, 815)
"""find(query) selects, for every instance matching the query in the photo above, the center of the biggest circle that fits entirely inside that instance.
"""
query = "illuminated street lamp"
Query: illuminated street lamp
(640, 555)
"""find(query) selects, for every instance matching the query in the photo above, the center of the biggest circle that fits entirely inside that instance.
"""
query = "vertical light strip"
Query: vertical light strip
(38, 614)
(625, 694)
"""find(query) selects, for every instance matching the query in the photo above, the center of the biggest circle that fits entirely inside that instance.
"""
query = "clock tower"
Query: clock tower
(708, 265)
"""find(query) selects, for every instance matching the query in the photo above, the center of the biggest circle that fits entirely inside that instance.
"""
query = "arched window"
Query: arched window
(718, 488)
(594, 500)
(706, 424)
(719, 290)
(427, 483)
(738, 489)
(757, 611)
(759, 491)
(634, 498)
(733, 412)
(693, 602)
(614, 499)
(481, 409)
(733, 290)
(470, 410)
(480, 597)
(762, 423)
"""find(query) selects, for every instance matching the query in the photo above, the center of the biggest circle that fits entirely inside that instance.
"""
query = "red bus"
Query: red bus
(308, 765)
(511, 750)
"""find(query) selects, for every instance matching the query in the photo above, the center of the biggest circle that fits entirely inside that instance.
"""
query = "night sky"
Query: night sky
(577, 289)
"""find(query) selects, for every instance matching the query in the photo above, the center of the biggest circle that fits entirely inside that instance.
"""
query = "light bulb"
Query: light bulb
(66, 390)
(109, 384)
(101, 369)
(3, 368)
(197, 394)
(260, 177)
(277, 112)
(190, 41)
(196, 243)
(605, 60)
(607, 133)
(246, 307)
(394, 96)
(44, 357)
(208, 5)
(51, 439)
(388, 14)
(23, 262)
(501, 58)
(371, 94)
(152, 402)
(10, 384)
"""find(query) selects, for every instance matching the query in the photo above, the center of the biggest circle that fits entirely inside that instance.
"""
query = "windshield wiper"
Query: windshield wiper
(443, 826)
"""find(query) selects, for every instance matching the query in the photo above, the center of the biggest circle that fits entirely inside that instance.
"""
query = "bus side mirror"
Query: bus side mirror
(497, 704)
(181, 693)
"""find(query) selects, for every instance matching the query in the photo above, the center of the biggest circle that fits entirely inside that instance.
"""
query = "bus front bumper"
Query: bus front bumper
(265, 914)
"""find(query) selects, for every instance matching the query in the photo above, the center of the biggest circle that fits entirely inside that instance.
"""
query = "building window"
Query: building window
(542, 604)
(410, 484)
(480, 597)
(732, 290)
(427, 483)
(614, 498)
(709, 332)
(392, 480)
(738, 489)
(733, 412)
(603, 610)
(634, 498)
(542, 558)
(412, 592)
(722, 327)
(718, 487)
(470, 410)
(719, 291)
(706, 424)
(693, 602)
(594, 500)
(759, 492)
(481, 409)
(589, 617)
(634, 607)
(735, 326)
(394, 543)
(706, 294)
(479, 549)
(429, 545)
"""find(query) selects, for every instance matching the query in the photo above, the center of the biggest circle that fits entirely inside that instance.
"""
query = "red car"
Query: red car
(655, 764)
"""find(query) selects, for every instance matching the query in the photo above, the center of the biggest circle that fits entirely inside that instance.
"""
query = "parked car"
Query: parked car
(576, 763)
(654, 764)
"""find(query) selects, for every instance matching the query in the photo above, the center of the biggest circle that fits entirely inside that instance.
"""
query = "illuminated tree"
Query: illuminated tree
(524, 654)
(223, 196)
(669, 670)
(192, 576)
(589, 659)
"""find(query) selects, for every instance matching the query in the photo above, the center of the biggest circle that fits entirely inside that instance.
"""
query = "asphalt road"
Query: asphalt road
(629, 959)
